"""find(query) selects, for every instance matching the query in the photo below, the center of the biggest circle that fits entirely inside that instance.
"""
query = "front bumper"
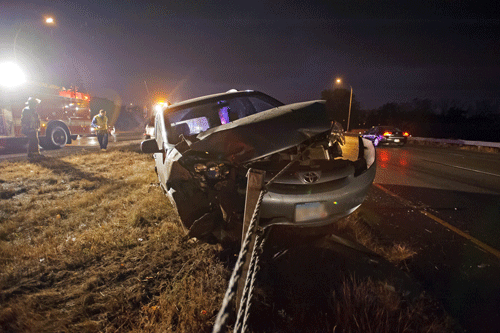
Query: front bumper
(322, 204)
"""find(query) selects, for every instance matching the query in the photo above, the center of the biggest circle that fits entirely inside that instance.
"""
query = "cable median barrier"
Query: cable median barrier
(253, 242)
(221, 321)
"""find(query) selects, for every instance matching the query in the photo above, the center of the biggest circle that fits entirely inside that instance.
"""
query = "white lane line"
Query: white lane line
(462, 168)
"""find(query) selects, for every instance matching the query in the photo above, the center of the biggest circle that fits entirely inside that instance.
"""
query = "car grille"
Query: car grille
(329, 186)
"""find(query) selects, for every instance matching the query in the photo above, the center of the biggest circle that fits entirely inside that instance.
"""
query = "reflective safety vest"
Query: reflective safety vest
(100, 123)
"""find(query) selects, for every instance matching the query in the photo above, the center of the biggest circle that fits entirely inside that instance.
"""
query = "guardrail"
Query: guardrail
(457, 142)
(479, 145)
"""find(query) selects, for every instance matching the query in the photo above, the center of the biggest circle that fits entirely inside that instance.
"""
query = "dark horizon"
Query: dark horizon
(387, 51)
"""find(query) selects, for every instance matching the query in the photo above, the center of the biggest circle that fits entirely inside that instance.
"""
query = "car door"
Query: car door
(160, 136)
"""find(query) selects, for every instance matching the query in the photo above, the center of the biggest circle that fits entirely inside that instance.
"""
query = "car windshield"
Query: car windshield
(200, 116)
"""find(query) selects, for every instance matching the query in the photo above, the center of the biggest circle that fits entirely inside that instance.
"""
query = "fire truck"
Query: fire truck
(64, 115)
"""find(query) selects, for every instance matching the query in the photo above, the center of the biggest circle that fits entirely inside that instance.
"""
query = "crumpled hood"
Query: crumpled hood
(265, 133)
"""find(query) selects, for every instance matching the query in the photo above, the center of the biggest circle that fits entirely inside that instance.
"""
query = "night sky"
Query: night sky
(388, 51)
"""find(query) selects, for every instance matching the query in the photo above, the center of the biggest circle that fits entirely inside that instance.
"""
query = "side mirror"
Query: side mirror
(150, 146)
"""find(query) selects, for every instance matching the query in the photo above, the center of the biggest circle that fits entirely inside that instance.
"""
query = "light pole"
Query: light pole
(339, 81)
(48, 21)
(349, 116)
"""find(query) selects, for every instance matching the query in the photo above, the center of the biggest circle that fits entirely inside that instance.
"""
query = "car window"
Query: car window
(194, 126)
(198, 118)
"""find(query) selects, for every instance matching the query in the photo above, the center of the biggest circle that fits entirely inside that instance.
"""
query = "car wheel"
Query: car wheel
(376, 142)
(56, 137)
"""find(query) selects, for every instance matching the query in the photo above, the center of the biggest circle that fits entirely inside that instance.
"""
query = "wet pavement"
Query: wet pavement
(456, 271)
(444, 203)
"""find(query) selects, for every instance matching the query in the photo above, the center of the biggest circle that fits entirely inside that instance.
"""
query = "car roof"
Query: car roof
(205, 99)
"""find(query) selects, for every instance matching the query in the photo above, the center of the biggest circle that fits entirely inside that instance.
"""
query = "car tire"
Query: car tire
(56, 137)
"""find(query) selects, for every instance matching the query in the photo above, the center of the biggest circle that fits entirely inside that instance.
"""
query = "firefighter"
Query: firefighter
(100, 123)
(30, 125)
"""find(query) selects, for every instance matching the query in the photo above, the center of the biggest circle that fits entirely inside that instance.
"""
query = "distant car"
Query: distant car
(386, 135)
(204, 147)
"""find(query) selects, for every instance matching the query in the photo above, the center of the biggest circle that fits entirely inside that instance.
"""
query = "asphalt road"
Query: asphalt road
(444, 203)
(463, 187)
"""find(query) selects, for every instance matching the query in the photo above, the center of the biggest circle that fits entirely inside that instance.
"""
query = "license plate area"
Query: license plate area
(310, 211)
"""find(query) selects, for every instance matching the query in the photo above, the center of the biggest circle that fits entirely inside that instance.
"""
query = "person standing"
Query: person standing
(30, 125)
(100, 123)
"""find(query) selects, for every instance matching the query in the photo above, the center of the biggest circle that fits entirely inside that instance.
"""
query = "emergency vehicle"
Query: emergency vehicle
(64, 115)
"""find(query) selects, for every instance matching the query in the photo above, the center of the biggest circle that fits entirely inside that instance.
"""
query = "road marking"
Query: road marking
(392, 194)
(462, 168)
(485, 247)
(482, 245)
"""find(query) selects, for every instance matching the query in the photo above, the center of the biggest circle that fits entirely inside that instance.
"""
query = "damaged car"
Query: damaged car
(204, 147)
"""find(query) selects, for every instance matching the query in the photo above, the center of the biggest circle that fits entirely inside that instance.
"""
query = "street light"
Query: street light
(49, 20)
(339, 81)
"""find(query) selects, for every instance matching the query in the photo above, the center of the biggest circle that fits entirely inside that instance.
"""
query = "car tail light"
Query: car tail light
(406, 134)
(387, 133)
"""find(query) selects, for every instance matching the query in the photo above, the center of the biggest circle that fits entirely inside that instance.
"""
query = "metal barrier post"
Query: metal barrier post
(255, 183)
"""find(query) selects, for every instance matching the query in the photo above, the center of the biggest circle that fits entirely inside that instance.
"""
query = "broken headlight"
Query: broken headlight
(212, 170)
(216, 170)
(199, 167)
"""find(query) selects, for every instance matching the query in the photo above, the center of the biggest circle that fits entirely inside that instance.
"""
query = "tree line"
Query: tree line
(447, 119)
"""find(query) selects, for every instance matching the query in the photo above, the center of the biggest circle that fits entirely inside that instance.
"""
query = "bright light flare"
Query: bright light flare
(339, 81)
(160, 106)
(387, 133)
(49, 20)
(11, 75)
(406, 134)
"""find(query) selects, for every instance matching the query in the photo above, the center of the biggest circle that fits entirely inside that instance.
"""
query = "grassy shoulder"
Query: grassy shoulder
(89, 243)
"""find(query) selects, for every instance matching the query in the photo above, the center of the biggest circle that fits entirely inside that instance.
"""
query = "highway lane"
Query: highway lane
(445, 204)
(461, 187)
(440, 168)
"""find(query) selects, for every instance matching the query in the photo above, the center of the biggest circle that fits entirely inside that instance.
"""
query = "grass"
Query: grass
(89, 243)
(356, 228)
(372, 306)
